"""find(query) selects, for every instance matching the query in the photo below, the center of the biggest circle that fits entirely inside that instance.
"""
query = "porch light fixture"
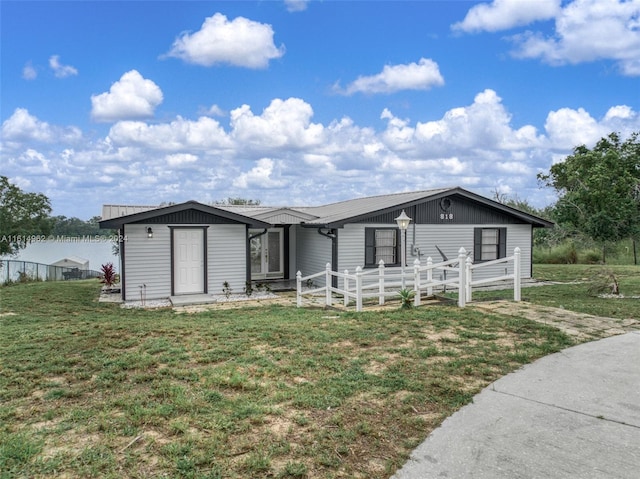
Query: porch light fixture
(149, 232)
(403, 223)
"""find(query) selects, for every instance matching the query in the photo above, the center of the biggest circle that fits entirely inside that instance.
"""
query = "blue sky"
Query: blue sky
(303, 103)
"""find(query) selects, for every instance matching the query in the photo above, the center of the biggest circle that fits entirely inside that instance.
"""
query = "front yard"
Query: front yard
(88, 389)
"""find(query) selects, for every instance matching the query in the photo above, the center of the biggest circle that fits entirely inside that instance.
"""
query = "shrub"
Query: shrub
(562, 254)
(108, 275)
(591, 257)
(406, 298)
(226, 289)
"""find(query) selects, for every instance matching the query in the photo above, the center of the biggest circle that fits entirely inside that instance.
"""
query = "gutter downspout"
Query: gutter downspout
(333, 236)
(415, 249)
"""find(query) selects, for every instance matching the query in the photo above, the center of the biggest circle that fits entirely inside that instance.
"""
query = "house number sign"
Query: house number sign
(445, 205)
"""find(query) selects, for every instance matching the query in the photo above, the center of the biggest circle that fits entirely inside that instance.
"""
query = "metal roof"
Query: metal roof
(333, 215)
(116, 211)
(143, 215)
(336, 214)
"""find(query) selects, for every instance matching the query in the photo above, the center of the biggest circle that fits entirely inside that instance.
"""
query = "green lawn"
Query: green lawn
(574, 293)
(91, 390)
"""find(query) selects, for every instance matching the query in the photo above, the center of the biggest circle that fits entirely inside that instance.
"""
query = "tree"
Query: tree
(238, 202)
(24, 217)
(599, 189)
(64, 226)
(540, 235)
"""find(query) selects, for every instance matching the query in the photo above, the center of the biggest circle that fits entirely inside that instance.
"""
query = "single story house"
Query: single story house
(193, 248)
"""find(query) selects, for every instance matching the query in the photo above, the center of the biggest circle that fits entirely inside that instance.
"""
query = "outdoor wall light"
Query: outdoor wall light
(149, 232)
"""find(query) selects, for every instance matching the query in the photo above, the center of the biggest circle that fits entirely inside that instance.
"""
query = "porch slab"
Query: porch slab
(191, 299)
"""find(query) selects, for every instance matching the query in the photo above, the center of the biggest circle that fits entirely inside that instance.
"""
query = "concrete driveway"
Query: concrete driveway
(573, 414)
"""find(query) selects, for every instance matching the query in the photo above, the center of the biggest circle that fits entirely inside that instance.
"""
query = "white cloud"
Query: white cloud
(506, 14)
(181, 134)
(60, 70)
(589, 30)
(296, 5)
(568, 128)
(240, 42)
(130, 97)
(180, 159)
(34, 163)
(29, 72)
(484, 124)
(22, 126)
(284, 123)
(413, 76)
(622, 112)
(585, 30)
(213, 110)
(260, 176)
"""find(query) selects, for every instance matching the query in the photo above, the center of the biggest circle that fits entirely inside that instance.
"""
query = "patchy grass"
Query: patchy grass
(573, 292)
(92, 390)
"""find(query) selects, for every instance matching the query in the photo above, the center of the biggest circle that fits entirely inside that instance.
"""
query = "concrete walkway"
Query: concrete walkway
(573, 414)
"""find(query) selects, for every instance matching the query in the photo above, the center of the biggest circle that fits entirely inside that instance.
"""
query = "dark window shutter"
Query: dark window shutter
(477, 244)
(502, 240)
(399, 246)
(369, 246)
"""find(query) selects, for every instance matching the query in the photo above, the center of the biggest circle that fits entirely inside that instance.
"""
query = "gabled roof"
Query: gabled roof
(338, 214)
(71, 259)
(274, 215)
(147, 214)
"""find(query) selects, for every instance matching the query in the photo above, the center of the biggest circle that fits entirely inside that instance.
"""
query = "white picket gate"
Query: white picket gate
(383, 282)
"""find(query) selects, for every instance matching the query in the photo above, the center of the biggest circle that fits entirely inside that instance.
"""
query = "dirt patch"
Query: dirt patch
(583, 327)
(280, 299)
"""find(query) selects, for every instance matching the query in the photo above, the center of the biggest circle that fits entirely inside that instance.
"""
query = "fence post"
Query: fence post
(416, 282)
(469, 278)
(327, 296)
(346, 288)
(429, 276)
(462, 277)
(358, 289)
(299, 289)
(517, 280)
(381, 282)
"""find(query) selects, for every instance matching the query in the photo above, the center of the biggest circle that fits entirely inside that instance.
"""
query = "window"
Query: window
(489, 244)
(381, 244)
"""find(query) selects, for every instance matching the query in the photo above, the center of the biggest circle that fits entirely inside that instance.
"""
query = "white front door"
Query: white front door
(267, 255)
(188, 261)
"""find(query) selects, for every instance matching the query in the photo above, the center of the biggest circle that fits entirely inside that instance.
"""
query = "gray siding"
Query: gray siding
(227, 257)
(313, 251)
(449, 238)
(148, 261)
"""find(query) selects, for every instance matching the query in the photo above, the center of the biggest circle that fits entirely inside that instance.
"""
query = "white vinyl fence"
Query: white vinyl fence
(382, 282)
